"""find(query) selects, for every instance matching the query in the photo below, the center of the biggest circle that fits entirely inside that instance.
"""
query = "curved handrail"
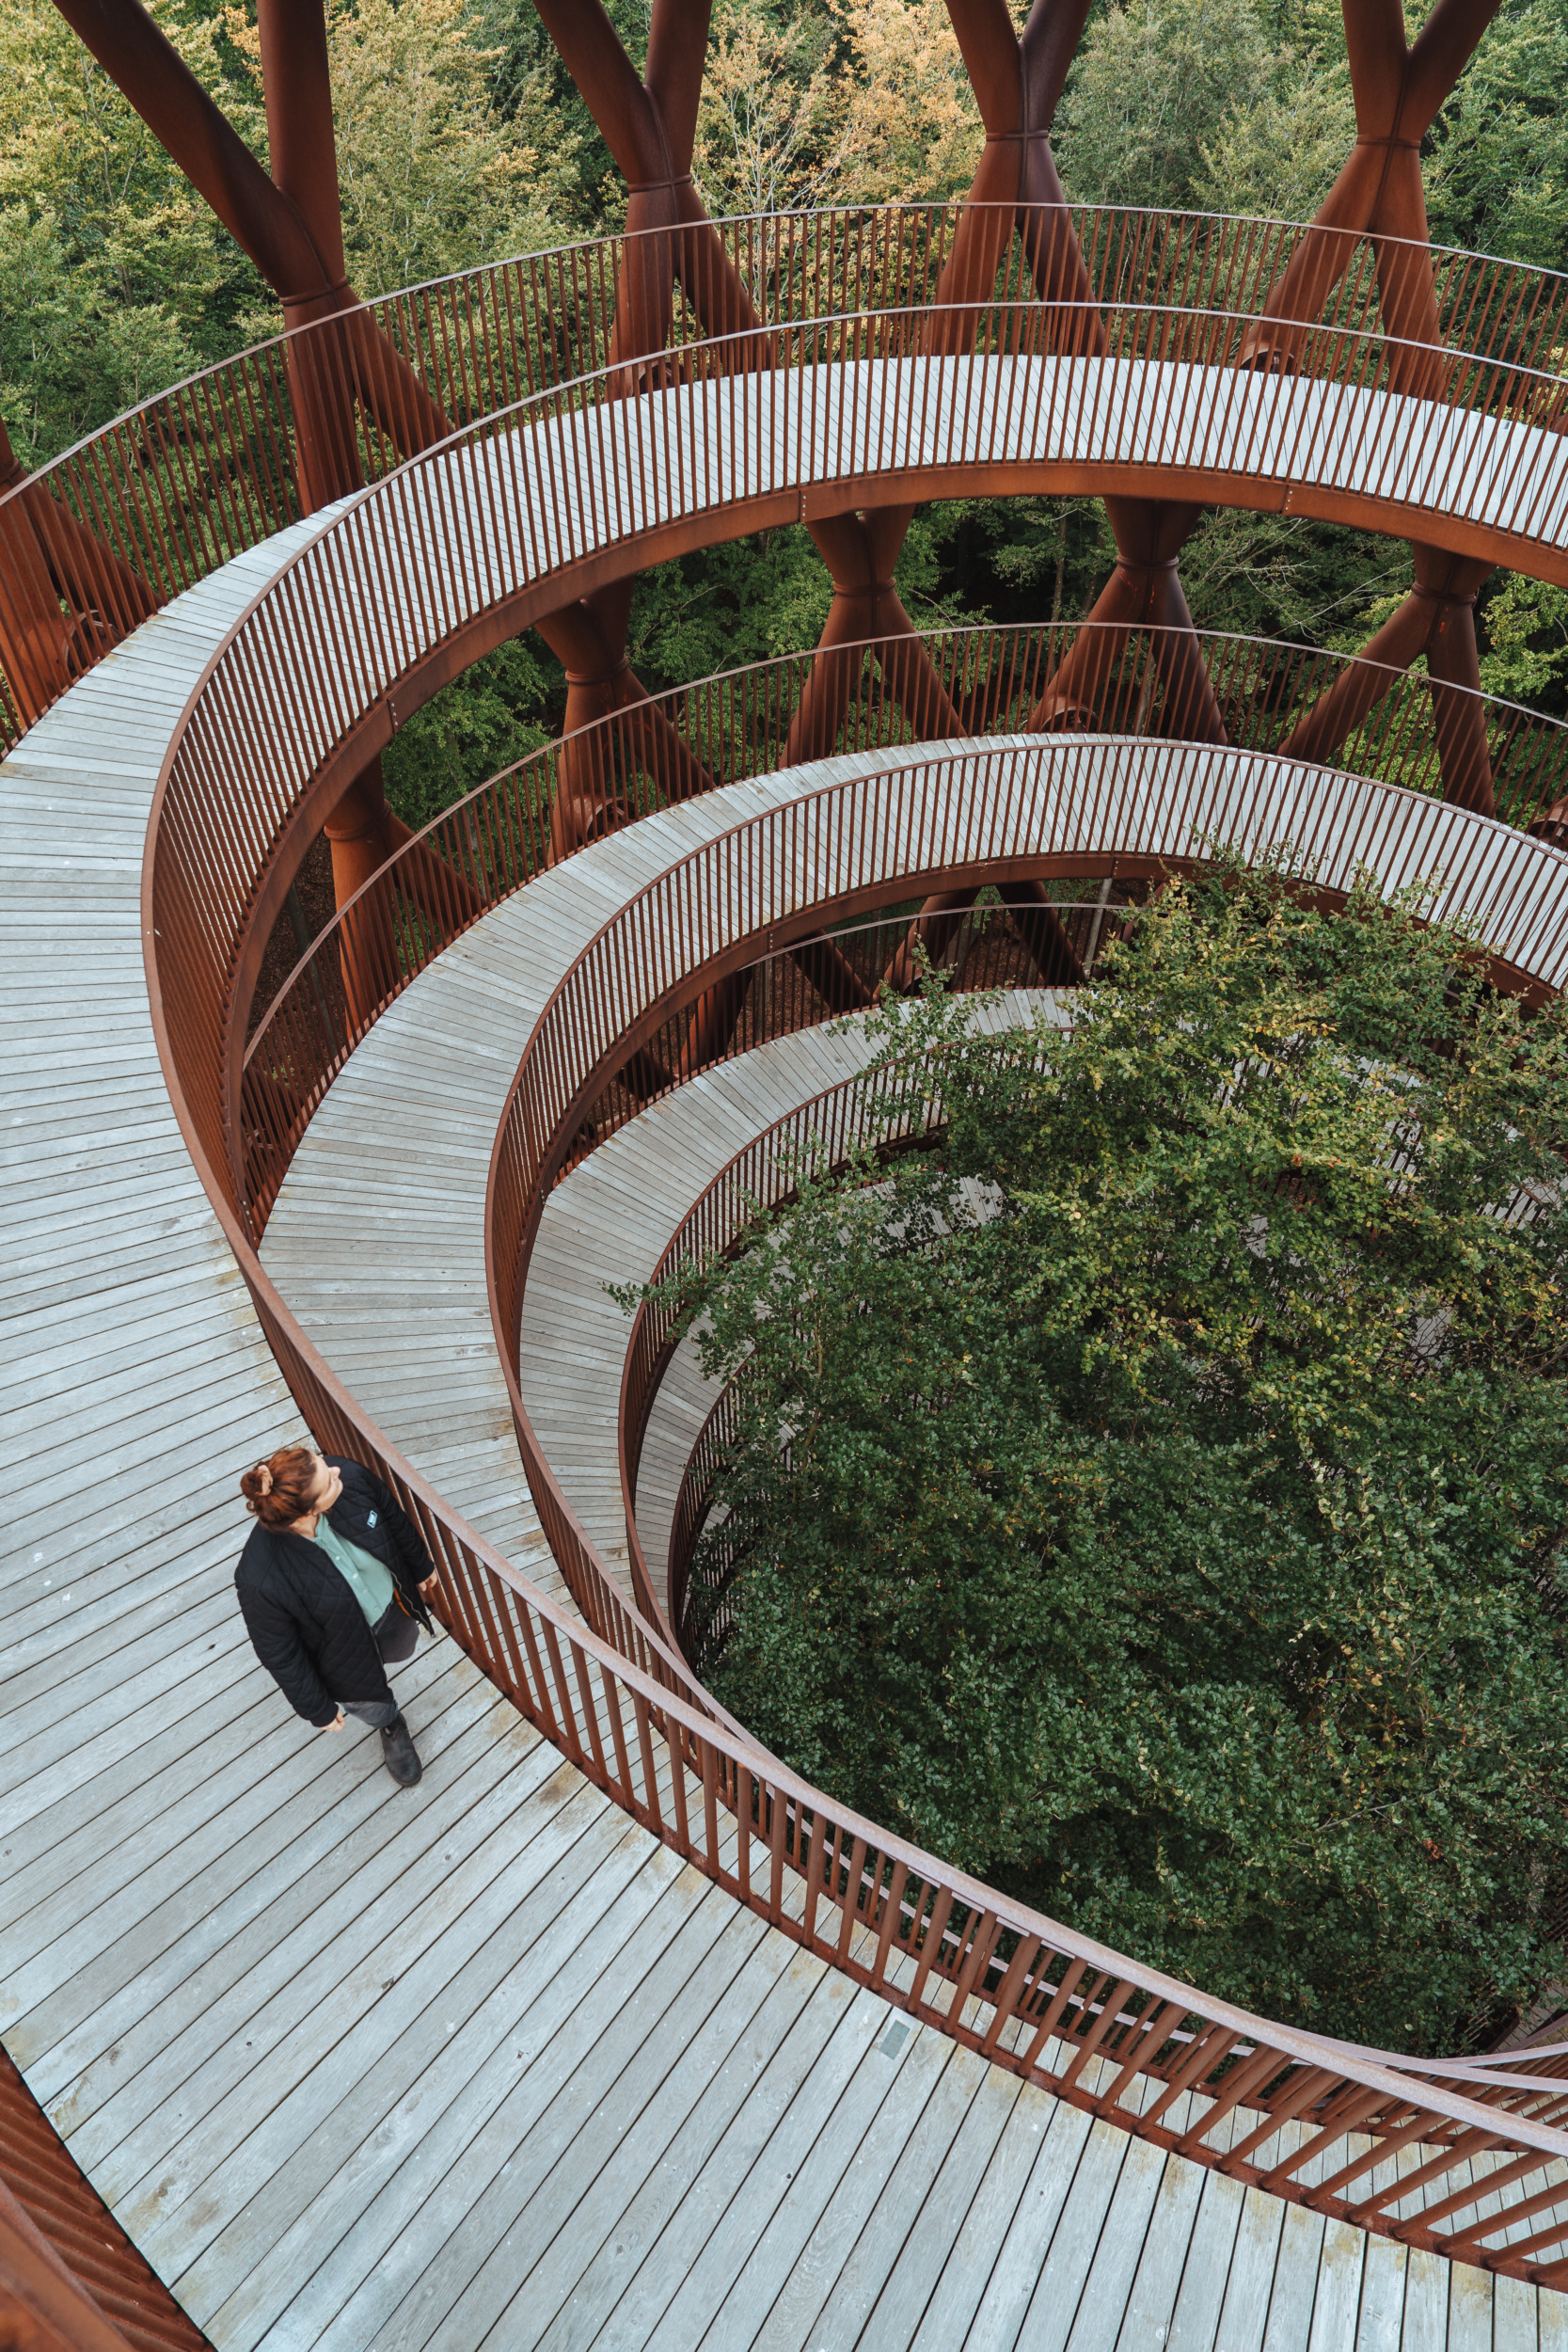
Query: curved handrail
(1054, 2007)
(495, 524)
(244, 776)
(543, 498)
(154, 499)
(830, 1125)
(738, 723)
(1057, 2007)
(1014, 809)
(827, 851)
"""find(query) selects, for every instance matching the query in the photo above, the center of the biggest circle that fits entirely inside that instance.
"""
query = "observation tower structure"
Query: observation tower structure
(617, 2032)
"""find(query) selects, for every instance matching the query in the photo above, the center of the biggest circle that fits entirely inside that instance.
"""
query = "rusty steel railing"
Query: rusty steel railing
(721, 729)
(1187, 2071)
(1063, 805)
(480, 532)
(855, 1115)
(64, 2262)
(1294, 2113)
(830, 849)
(1193, 2075)
(702, 1620)
(501, 521)
(497, 524)
(104, 535)
(1013, 811)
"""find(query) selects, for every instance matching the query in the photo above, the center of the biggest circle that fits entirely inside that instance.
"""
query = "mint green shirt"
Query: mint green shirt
(369, 1582)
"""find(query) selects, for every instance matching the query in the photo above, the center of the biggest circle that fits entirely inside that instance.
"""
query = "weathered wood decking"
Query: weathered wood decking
(480, 2063)
(1158, 2254)
(609, 1222)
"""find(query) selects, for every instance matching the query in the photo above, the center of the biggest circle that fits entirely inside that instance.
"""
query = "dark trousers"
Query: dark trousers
(396, 1635)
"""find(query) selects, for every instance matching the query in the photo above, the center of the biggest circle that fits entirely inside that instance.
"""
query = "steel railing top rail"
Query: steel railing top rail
(481, 274)
(737, 723)
(740, 885)
(300, 688)
(1055, 2006)
(464, 543)
(103, 534)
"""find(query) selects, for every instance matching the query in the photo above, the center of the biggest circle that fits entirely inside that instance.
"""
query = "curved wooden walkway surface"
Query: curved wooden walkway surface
(480, 2064)
(610, 1221)
(423, 1172)
(512, 518)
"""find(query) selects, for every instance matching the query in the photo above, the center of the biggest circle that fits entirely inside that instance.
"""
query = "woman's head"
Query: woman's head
(289, 1486)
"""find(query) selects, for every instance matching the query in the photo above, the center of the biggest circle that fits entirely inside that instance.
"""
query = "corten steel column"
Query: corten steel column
(51, 559)
(303, 159)
(334, 367)
(649, 126)
(589, 637)
(1017, 81)
(1379, 192)
(1437, 619)
(1379, 196)
(303, 154)
(270, 225)
(859, 551)
(290, 226)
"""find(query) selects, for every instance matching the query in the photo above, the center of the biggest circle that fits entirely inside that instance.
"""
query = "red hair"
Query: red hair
(279, 1491)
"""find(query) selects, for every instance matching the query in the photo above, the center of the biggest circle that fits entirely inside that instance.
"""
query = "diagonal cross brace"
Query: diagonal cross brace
(293, 238)
(1018, 80)
(1379, 195)
(1379, 192)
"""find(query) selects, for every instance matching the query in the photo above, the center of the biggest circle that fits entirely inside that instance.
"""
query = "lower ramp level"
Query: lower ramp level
(480, 2063)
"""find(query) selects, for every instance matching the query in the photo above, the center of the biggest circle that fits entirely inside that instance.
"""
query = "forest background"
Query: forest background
(461, 139)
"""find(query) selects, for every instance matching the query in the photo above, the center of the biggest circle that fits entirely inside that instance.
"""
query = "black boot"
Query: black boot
(399, 1754)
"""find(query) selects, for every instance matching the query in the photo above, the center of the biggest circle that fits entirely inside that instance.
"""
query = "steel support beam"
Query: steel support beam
(1379, 195)
(650, 126)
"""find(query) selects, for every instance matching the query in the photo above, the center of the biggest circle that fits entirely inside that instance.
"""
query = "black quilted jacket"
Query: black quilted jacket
(309, 1631)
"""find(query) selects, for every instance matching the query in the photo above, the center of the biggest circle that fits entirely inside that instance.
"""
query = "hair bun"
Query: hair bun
(277, 1491)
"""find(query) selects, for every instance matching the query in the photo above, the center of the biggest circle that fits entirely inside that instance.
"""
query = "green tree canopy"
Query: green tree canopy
(1176, 1545)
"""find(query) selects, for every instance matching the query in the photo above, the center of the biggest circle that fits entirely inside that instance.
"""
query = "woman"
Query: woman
(332, 1581)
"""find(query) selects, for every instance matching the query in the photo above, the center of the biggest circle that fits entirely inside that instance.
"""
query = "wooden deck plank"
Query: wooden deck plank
(1470, 2309)
(166, 1822)
(276, 2175)
(792, 2282)
(730, 2195)
(577, 1919)
(190, 1854)
(889, 2280)
(682, 2141)
(691, 2039)
(1075, 2240)
(479, 2195)
(1003, 2308)
(179, 1958)
(1098, 2321)
(310, 1989)
(1200, 2272)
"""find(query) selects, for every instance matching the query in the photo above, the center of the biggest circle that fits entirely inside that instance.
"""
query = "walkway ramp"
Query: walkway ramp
(480, 2063)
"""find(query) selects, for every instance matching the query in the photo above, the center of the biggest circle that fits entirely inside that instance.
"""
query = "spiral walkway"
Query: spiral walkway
(608, 2034)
